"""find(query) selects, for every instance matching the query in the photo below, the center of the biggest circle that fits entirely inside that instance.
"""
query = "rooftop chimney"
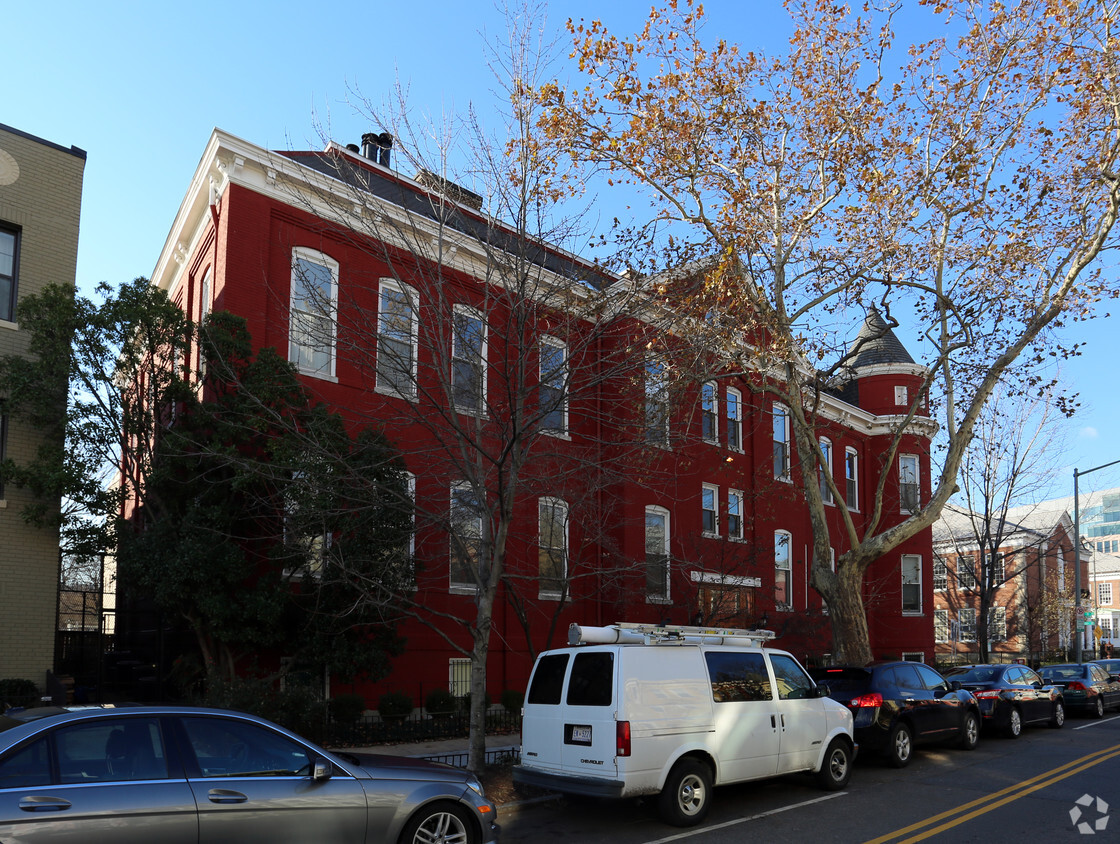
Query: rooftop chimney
(377, 147)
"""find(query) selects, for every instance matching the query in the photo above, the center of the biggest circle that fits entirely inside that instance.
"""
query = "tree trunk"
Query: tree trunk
(851, 644)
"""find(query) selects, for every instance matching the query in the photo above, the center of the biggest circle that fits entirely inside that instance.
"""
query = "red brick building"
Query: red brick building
(404, 306)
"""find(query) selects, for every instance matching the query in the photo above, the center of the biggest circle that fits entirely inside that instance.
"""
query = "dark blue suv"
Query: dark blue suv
(899, 705)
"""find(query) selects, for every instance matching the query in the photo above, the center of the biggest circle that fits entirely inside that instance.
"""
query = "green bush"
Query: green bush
(297, 707)
(439, 702)
(17, 692)
(394, 705)
(465, 701)
(347, 709)
(512, 701)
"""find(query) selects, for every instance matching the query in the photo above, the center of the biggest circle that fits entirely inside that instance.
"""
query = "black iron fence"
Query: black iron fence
(418, 727)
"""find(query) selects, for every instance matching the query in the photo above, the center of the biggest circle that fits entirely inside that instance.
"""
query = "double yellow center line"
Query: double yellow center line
(961, 814)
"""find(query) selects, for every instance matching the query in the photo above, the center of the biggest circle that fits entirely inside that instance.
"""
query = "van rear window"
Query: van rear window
(592, 682)
(548, 679)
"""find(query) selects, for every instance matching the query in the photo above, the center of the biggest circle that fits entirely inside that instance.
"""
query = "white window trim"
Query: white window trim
(475, 314)
(850, 454)
(654, 395)
(735, 422)
(947, 630)
(411, 296)
(1104, 589)
(788, 567)
(826, 449)
(787, 472)
(902, 396)
(965, 635)
(921, 596)
(902, 458)
(737, 495)
(331, 265)
(459, 587)
(714, 490)
(939, 561)
(667, 598)
(709, 407)
(553, 504)
(565, 431)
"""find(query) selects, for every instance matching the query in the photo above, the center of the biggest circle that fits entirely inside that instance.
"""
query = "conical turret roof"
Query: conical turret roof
(876, 344)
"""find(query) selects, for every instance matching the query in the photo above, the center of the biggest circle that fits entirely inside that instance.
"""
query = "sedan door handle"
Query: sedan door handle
(223, 795)
(42, 803)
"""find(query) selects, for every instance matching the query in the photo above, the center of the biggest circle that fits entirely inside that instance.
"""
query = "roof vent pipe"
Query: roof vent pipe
(369, 146)
(377, 147)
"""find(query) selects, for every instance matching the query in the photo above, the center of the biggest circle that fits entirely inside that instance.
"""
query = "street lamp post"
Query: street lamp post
(1077, 555)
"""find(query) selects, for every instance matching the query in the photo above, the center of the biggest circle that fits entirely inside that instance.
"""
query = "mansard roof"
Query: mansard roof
(877, 345)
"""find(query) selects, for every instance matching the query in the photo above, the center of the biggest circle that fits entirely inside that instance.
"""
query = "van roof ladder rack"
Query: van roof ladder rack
(656, 634)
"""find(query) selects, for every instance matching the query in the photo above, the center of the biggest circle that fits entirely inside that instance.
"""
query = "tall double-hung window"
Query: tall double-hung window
(553, 385)
(467, 536)
(552, 559)
(313, 327)
(851, 478)
(734, 514)
(468, 361)
(781, 441)
(734, 420)
(709, 509)
(709, 413)
(9, 271)
(824, 471)
(657, 554)
(911, 584)
(783, 570)
(656, 403)
(396, 339)
(908, 482)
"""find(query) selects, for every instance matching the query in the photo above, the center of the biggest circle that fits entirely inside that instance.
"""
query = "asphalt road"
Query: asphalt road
(1006, 790)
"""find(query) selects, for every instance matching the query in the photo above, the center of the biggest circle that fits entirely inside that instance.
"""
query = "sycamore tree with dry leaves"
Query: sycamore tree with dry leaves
(964, 183)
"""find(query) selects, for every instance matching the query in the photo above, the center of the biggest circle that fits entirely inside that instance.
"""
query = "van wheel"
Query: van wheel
(687, 795)
(836, 769)
(900, 747)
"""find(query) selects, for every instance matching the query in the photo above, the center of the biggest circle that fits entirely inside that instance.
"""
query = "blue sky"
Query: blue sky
(140, 86)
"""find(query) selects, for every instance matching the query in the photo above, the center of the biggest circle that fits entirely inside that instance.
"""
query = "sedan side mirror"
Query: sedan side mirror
(321, 770)
(822, 690)
(955, 685)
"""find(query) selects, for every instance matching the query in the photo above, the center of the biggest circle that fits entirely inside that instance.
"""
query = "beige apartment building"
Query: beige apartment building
(40, 207)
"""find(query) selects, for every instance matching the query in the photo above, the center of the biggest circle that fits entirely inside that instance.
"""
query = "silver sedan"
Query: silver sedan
(184, 775)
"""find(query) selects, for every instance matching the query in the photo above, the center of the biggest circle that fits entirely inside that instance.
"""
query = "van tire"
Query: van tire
(687, 795)
(836, 769)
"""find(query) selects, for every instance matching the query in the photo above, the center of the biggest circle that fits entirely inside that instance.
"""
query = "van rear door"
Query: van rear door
(541, 734)
(588, 739)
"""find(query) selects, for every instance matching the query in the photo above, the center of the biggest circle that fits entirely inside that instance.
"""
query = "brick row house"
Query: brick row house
(40, 210)
(1104, 579)
(403, 306)
(1031, 578)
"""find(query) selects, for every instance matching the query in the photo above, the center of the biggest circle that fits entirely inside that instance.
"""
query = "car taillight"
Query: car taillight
(873, 699)
(622, 738)
(989, 693)
(1076, 686)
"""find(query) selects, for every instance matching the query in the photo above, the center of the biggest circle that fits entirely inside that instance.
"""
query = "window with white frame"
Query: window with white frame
(709, 509)
(553, 385)
(459, 676)
(824, 471)
(468, 361)
(408, 565)
(656, 403)
(467, 537)
(709, 413)
(908, 482)
(9, 272)
(940, 575)
(851, 478)
(1061, 572)
(941, 625)
(552, 557)
(966, 617)
(966, 572)
(911, 584)
(783, 570)
(991, 569)
(901, 396)
(781, 441)
(734, 514)
(396, 339)
(1106, 626)
(734, 419)
(1104, 593)
(657, 554)
(313, 323)
(997, 624)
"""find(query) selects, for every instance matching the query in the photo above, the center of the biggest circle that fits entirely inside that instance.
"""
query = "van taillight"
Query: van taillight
(622, 738)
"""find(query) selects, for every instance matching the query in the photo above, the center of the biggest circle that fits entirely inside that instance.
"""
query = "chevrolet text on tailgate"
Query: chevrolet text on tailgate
(638, 709)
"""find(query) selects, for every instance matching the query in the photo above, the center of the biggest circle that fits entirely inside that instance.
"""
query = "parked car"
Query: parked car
(1087, 687)
(184, 774)
(1011, 696)
(669, 712)
(1112, 666)
(898, 705)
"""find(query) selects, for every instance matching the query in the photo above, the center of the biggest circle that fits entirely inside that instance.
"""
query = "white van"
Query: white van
(635, 709)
